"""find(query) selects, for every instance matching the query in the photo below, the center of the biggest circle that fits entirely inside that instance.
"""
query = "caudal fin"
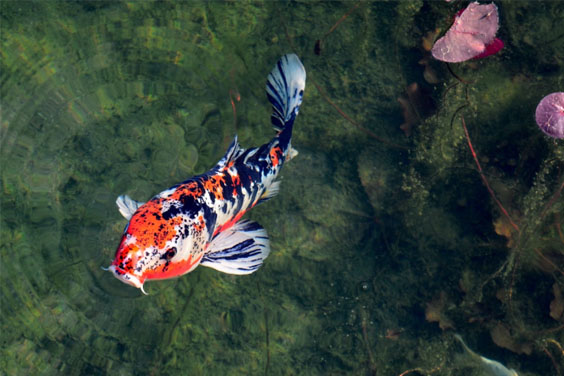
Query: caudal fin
(285, 88)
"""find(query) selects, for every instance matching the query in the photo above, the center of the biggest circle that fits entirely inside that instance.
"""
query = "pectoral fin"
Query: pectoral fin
(127, 206)
(270, 192)
(240, 249)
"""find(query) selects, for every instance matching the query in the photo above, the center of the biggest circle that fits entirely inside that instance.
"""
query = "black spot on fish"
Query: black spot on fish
(169, 254)
(172, 212)
(212, 197)
(228, 187)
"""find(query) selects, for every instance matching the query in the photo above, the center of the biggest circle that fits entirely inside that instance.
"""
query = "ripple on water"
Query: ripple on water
(78, 89)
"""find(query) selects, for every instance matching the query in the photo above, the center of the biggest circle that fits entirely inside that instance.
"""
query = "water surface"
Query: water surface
(384, 240)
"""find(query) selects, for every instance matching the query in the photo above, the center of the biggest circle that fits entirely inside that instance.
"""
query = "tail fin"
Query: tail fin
(285, 88)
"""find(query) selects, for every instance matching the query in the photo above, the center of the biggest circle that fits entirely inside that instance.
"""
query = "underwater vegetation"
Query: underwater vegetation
(425, 201)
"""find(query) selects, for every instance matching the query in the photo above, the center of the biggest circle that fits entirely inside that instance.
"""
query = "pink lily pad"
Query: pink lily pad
(550, 115)
(493, 48)
(471, 36)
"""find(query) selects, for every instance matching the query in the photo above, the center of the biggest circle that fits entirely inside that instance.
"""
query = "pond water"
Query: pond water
(385, 242)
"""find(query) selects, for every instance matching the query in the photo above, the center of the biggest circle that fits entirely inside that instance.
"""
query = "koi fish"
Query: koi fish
(492, 367)
(198, 222)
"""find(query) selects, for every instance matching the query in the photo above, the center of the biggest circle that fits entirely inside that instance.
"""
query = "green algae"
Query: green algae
(105, 98)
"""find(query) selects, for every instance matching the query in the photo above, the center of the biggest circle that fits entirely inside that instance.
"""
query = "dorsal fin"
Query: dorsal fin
(233, 151)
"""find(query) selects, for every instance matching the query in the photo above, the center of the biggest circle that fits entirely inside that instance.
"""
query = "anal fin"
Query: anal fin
(240, 249)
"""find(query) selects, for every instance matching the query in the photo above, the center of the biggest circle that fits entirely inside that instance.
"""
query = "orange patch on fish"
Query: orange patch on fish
(150, 228)
(236, 182)
(200, 225)
(167, 270)
(275, 154)
(213, 185)
(190, 189)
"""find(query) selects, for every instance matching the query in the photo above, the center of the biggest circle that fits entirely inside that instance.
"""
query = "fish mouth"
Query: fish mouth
(125, 277)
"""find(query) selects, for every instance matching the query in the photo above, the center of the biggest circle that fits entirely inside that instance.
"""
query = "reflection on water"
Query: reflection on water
(105, 98)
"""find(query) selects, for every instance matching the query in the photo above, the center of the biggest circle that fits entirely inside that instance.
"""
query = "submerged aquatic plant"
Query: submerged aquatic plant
(534, 234)
(508, 242)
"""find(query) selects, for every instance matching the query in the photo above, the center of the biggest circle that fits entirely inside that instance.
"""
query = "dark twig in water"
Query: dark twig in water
(317, 47)
(491, 277)
(358, 126)
(547, 260)
(461, 107)
(451, 86)
(457, 76)
(483, 176)
(456, 113)
(554, 364)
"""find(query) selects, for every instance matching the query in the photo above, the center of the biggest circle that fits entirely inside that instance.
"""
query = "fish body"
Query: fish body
(198, 222)
(493, 367)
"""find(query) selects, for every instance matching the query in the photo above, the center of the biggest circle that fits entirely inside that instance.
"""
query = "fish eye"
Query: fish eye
(170, 253)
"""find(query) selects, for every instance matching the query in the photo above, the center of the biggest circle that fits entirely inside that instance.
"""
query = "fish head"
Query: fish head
(155, 247)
